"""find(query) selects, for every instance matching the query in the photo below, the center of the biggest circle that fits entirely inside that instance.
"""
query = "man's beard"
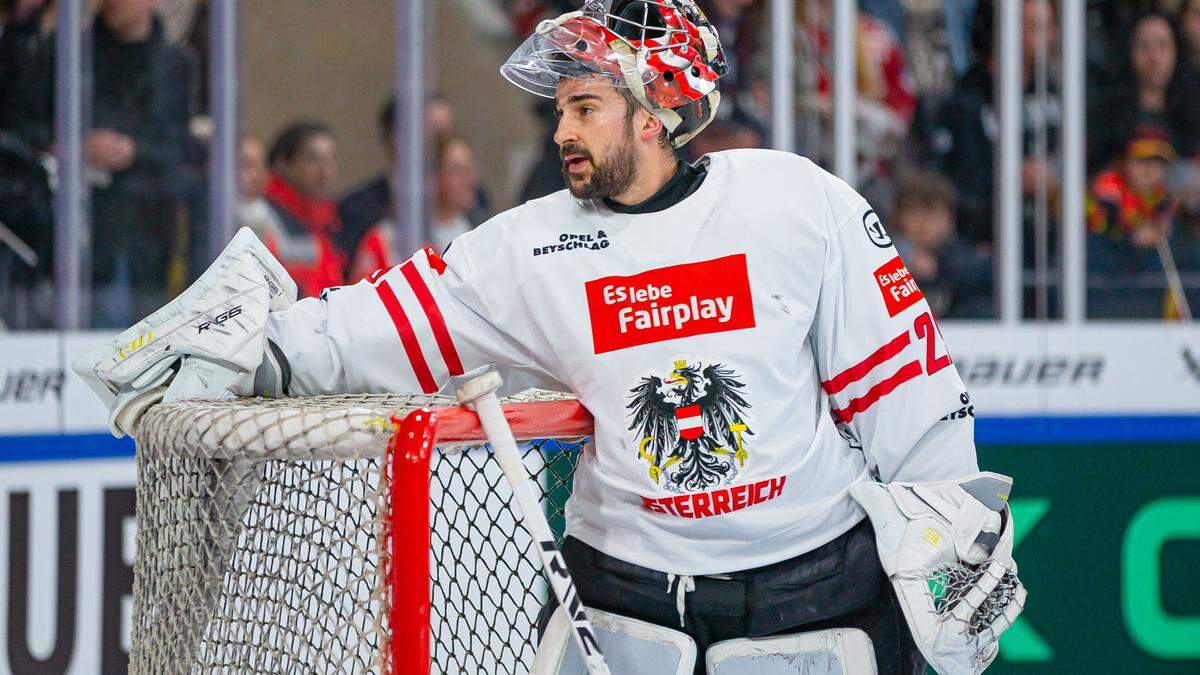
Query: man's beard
(610, 177)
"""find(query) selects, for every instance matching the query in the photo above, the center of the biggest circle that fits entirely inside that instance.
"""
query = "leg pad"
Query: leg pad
(838, 651)
(629, 646)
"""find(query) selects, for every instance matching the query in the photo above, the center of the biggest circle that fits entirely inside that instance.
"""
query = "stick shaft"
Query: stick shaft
(1174, 283)
(504, 447)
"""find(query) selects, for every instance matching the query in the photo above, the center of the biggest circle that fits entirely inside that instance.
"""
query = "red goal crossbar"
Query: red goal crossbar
(411, 448)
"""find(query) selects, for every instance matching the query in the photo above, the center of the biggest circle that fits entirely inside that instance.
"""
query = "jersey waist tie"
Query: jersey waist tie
(686, 584)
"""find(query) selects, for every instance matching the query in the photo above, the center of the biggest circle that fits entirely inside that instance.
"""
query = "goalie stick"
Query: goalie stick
(480, 394)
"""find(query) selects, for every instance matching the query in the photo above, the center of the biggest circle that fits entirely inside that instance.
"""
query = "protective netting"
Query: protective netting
(261, 543)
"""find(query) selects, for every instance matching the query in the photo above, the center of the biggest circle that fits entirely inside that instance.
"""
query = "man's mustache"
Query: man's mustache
(574, 150)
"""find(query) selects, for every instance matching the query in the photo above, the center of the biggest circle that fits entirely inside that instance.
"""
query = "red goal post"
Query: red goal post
(339, 534)
(419, 433)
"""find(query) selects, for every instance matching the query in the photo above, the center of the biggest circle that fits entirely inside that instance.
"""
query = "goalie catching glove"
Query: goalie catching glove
(208, 341)
(947, 548)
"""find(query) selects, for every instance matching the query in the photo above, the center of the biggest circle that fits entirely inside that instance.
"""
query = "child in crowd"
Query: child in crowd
(955, 278)
(1131, 215)
(1130, 207)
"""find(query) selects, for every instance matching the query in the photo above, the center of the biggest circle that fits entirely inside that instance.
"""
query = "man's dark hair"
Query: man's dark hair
(293, 137)
(631, 106)
(387, 114)
(918, 188)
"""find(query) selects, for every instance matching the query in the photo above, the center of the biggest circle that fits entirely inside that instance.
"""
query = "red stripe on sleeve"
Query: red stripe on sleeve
(412, 349)
(885, 387)
(858, 371)
(436, 321)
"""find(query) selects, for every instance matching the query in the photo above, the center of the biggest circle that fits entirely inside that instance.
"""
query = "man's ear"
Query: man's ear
(650, 126)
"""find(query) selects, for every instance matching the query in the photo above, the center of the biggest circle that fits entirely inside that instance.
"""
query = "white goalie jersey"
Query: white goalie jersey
(748, 354)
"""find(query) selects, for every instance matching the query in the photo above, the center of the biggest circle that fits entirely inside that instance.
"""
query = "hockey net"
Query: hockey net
(340, 534)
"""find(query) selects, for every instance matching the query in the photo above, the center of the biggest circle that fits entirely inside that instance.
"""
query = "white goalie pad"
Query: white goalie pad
(200, 343)
(837, 651)
(947, 548)
(629, 646)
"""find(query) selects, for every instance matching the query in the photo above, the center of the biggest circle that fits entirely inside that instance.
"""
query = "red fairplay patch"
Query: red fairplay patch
(670, 302)
(898, 287)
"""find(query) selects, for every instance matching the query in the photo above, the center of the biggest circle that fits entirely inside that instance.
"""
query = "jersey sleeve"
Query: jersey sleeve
(404, 329)
(891, 383)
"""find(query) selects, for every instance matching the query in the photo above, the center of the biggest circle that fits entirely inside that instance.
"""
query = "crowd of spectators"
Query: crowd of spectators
(926, 108)
(288, 199)
(926, 120)
(146, 162)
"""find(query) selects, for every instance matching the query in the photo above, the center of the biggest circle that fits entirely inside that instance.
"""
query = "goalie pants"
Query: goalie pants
(839, 585)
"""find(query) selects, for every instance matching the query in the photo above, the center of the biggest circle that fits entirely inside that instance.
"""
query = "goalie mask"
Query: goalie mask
(664, 51)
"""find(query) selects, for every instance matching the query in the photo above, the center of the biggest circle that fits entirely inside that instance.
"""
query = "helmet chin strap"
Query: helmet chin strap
(714, 99)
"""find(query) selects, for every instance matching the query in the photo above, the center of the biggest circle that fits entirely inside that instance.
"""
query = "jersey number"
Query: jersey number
(926, 330)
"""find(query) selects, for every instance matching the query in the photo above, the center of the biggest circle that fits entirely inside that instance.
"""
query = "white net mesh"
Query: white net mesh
(262, 530)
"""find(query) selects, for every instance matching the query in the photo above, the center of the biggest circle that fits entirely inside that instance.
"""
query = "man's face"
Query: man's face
(252, 168)
(928, 227)
(1146, 175)
(595, 139)
(457, 178)
(1153, 53)
(314, 168)
(1037, 27)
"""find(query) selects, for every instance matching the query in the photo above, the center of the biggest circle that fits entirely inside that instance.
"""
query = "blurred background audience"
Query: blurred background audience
(926, 120)
(1156, 88)
(142, 91)
(955, 276)
(26, 212)
(962, 143)
(1130, 216)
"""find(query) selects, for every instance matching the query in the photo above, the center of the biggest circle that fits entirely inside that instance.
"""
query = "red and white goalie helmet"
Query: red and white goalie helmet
(664, 51)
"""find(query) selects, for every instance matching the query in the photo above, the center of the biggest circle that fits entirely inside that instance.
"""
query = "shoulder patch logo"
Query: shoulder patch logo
(898, 287)
(874, 229)
(691, 425)
(669, 303)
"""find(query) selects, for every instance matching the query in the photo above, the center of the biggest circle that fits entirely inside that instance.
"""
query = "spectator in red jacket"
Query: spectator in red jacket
(303, 162)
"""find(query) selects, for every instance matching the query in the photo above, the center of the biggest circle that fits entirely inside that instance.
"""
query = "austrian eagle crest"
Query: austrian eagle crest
(691, 425)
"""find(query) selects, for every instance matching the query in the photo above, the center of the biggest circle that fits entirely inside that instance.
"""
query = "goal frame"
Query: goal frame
(412, 444)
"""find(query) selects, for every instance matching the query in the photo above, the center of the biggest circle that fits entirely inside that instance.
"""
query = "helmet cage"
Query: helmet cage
(664, 51)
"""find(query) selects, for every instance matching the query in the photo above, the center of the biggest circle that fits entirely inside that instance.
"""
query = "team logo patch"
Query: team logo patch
(898, 287)
(875, 231)
(691, 425)
(670, 302)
